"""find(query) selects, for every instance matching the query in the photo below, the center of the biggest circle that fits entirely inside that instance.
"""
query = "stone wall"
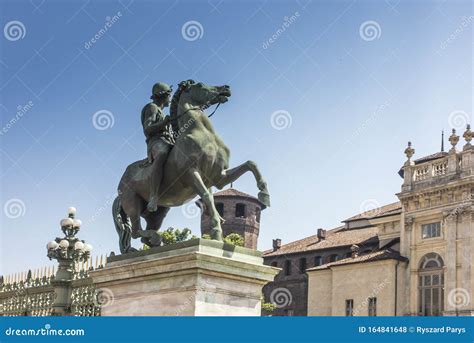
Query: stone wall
(297, 282)
(330, 288)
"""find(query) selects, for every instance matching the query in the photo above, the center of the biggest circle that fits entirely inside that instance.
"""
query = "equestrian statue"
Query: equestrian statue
(186, 158)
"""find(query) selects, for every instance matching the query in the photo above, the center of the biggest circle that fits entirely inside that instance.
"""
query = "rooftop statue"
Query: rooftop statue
(186, 158)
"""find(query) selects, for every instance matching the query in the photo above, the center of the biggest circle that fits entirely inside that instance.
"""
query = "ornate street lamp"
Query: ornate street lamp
(69, 251)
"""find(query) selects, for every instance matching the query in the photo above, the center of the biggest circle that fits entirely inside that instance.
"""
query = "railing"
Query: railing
(440, 168)
(421, 173)
(430, 170)
(27, 294)
(32, 293)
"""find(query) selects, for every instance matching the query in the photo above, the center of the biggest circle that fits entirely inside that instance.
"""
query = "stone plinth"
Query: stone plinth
(193, 278)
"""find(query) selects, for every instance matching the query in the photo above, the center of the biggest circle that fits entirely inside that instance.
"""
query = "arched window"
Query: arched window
(220, 208)
(287, 267)
(431, 285)
(303, 264)
(240, 210)
(318, 260)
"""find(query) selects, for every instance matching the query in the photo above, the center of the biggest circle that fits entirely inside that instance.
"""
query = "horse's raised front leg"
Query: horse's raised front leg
(230, 175)
(208, 199)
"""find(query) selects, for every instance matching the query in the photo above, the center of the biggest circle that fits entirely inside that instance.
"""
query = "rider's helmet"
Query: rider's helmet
(160, 89)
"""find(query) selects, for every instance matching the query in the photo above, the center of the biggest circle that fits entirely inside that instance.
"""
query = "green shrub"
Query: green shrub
(234, 239)
(268, 307)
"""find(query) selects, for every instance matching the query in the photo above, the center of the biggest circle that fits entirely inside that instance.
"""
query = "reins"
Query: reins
(202, 108)
(210, 115)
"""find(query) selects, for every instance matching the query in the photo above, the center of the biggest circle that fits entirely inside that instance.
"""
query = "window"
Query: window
(220, 208)
(349, 307)
(332, 258)
(372, 307)
(302, 264)
(275, 264)
(430, 230)
(431, 285)
(287, 267)
(240, 211)
(318, 260)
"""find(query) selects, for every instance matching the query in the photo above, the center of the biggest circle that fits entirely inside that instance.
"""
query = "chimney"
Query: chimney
(276, 244)
(355, 250)
(321, 234)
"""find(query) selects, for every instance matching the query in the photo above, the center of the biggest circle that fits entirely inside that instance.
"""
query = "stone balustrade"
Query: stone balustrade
(429, 170)
(439, 168)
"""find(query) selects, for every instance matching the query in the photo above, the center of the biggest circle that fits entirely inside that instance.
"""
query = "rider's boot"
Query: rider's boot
(156, 177)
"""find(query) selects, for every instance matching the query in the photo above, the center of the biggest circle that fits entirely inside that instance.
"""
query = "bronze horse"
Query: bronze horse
(198, 161)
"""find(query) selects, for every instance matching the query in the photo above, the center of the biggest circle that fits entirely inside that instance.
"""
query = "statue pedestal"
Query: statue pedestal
(193, 278)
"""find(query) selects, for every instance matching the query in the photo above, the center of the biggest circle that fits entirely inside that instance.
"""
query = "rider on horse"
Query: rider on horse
(159, 137)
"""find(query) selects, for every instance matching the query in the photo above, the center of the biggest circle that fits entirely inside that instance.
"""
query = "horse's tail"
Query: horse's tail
(123, 226)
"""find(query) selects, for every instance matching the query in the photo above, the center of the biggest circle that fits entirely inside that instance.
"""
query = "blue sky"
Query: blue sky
(350, 82)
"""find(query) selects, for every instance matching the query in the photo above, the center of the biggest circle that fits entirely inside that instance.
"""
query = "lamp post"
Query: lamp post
(68, 251)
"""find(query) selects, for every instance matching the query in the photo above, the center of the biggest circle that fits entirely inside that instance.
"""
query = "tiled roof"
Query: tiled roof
(386, 210)
(431, 157)
(334, 238)
(387, 254)
(233, 192)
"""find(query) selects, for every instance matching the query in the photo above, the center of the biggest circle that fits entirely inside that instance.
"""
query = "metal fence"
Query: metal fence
(32, 293)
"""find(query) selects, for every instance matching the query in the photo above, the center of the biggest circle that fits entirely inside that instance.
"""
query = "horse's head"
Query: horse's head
(200, 94)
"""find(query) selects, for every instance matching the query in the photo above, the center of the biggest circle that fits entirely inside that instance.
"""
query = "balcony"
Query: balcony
(430, 170)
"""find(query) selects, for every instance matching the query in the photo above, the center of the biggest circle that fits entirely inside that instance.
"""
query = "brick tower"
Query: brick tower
(241, 212)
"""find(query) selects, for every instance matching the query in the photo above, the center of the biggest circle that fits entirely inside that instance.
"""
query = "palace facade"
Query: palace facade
(413, 257)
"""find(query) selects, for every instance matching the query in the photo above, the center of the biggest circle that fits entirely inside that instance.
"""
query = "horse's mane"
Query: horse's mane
(175, 100)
